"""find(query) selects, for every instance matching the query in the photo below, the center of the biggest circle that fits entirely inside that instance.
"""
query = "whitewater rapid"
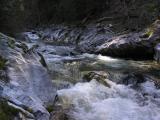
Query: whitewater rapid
(94, 101)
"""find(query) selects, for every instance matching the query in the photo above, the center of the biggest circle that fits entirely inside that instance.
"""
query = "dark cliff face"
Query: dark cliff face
(15, 15)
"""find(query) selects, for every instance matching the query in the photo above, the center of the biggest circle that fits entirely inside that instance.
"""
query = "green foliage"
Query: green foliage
(7, 112)
(50, 108)
(29, 110)
(149, 33)
(11, 42)
(2, 63)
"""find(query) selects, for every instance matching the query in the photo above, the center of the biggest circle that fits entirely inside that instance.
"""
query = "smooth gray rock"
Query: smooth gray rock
(128, 46)
(133, 45)
(29, 84)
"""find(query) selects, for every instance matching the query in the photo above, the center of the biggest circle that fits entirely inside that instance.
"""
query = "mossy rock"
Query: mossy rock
(7, 112)
(149, 32)
(99, 76)
(50, 108)
(2, 62)
(6, 39)
(23, 46)
(153, 30)
(11, 43)
(60, 114)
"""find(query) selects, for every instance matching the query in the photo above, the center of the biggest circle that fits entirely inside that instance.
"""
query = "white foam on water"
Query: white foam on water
(149, 87)
(94, 101)
(106, 58)
(101, 57)
(32, 36)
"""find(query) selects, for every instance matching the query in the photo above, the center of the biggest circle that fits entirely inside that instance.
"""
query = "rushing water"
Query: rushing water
(132, 100)
(94, 101)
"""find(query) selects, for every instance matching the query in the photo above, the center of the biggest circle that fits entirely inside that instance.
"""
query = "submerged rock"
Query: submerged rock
(132, 79)
(59, 114)
(101, 77)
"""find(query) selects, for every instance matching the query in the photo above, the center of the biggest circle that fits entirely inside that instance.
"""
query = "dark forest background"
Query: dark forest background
(19, 15)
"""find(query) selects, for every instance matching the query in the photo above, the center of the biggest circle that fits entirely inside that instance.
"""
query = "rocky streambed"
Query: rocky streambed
(61, 73)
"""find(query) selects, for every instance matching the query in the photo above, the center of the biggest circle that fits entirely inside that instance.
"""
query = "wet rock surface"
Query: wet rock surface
(133, 45)
(84, 38)
(29, 85)
(44, 64)
(101, 77)
(128, 46)
(59, 114)
(99, 39)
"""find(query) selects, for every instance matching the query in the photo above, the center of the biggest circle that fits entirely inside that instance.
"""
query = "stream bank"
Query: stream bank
(58, 73)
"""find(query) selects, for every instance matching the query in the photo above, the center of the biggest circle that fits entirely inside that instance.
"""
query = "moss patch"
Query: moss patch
(2, 63)
(50, 109)
(149, 33)
(11, 42)
(7, 112)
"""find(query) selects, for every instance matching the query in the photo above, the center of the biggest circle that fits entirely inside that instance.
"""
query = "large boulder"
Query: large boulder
(133, 45)
(128, 45)
(100, 77)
